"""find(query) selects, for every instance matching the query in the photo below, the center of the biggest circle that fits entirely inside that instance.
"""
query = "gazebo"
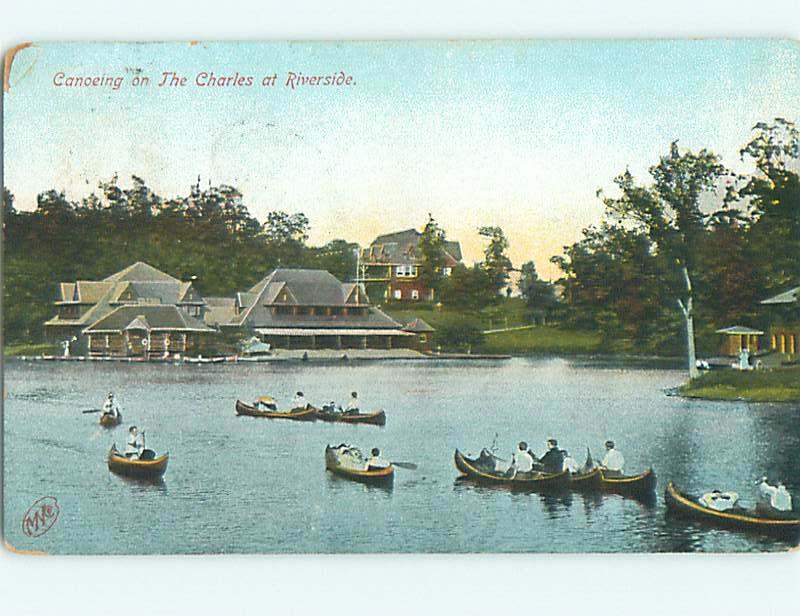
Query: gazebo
(738, 338)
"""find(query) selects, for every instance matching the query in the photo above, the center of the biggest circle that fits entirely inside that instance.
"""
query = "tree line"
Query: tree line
(693, 248)
(207, 236)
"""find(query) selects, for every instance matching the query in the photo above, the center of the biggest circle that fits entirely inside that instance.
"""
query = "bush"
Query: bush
(459, 333)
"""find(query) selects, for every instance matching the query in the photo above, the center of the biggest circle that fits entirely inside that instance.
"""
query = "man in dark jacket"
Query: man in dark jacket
(553, 460)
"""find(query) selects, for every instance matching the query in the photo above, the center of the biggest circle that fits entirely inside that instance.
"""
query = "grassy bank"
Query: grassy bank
(542, 339)
(776, 385)
(508, 313)
(13, 349)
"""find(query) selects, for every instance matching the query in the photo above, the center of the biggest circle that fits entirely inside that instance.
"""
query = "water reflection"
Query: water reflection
(349, 487)
(142, 485)
(556, 504)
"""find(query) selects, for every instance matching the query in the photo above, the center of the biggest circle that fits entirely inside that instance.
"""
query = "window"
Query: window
(405, 271)
(446, 271)
(423, 338)
(398, 294)
(414, 294)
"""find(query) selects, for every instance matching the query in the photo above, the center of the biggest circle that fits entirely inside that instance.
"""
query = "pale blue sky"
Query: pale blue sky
(519, 134)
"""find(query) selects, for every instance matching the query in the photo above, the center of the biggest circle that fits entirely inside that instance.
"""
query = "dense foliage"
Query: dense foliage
(736, 238)
(207, 236)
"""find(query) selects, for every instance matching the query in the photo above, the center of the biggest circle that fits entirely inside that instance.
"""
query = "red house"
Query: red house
(390, 266)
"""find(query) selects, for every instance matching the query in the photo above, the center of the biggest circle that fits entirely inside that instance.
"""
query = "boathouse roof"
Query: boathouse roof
(149, 318)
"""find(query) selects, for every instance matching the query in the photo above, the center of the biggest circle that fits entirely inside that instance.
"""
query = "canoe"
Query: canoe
(735, 519)
(140, 469)
(643, 484)
(381, 476)
(473, 469)
(378, 418)
(590, 481)
(109, 421)
(309, 414)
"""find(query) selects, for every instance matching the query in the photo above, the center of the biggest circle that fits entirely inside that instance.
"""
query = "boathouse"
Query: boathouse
(312, 309)
(145, 331)
(83, 303)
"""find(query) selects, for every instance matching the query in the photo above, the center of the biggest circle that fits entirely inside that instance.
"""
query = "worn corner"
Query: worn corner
(9, 59)
(15, 550)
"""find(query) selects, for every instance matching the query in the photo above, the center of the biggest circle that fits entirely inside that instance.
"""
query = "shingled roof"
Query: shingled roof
(141, 272)
(401, 248)
(418, 326)
(219, 310)
(306, 287)
(150, 318)
(139, 281)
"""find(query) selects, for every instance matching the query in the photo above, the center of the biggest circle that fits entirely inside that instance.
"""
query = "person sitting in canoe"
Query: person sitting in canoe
(570, 464)
(135, 445)
(553, 460)
(299, 403)
(350, 457)
(352, 407)
(613, 462)
(777, 498)
(330, 408)
(521, 459)
(110, 407)
(266, 403)
(719, 501)
(488, 462)
(375, 461)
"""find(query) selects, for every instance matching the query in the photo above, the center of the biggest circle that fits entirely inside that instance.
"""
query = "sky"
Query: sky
(518, 134)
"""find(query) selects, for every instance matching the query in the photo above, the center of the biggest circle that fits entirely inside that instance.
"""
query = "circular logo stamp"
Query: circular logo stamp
(40, 517)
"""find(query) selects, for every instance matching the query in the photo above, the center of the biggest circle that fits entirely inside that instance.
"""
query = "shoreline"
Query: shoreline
(299, 356)
(776, 385)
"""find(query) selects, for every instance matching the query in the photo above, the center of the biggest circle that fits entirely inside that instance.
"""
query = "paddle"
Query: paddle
(92, 411)
(409, 465)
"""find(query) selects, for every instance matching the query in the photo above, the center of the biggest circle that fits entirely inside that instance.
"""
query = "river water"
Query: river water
(248, 485)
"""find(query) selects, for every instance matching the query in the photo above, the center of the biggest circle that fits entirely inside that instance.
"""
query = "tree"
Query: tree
(496, 262)
(615, 283)
(8, 204)
(286, 235)
(54, 205)
(773, 194)
(538, 294)
(431, 256)
(459, 333)
(468, 288)
(669, 212)
(115, 197)
(337, 257)
(140, 200)
(283, 228)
